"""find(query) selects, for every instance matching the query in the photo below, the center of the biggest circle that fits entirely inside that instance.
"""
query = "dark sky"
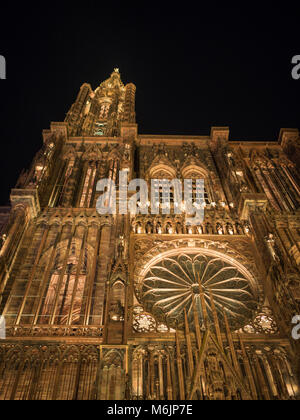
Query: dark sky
(194, 67)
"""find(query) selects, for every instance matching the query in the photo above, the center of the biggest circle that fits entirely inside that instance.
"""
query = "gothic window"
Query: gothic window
(66, 177)
(194, 174)
(196, 195)
(88, 186)
(112, 174)
(162, 192)
(278, 184)
(117, 302)
(113, 170)
(288, 185)
(279, 195)
(292, 177)
(266, 188)
(64, 296)
(162, 188)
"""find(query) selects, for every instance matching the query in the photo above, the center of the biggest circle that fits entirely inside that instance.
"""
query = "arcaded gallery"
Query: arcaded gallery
(144, 306)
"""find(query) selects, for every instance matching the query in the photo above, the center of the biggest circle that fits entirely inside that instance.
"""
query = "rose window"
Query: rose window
(171, 285)
(143, 323)
(265, 324)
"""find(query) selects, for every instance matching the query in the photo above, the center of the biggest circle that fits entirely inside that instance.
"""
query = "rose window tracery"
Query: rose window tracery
(171, 286)
(143, 323)
(265, 324)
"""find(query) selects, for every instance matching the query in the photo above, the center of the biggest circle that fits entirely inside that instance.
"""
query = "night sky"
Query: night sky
(194, 67)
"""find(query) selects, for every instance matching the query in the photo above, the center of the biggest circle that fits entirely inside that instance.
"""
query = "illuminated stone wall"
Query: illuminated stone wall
(147, 306)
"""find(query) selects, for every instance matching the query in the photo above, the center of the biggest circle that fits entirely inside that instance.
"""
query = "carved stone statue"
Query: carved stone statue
(271, 246)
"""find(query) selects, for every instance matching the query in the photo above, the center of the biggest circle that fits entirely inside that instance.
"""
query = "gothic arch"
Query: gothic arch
(114, 154)
(192, 171)
(72, 353)
(162, 171)
(160, 168)
(92, 153)
(65, 282)
(113, 357)
(69, 153)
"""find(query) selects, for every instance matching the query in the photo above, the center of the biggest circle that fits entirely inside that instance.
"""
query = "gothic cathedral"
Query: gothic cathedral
(146, 306)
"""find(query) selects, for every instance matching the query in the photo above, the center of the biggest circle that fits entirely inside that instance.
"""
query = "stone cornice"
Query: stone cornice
(28, 197)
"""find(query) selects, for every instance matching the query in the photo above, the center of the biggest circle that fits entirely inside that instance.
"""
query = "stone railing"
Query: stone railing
(176, 225)
(54, 331)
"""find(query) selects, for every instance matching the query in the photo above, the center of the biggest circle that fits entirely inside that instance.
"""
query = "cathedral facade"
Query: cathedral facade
(144, 306)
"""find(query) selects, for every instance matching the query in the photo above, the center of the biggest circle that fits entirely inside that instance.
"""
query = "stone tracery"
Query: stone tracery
(172, 285)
